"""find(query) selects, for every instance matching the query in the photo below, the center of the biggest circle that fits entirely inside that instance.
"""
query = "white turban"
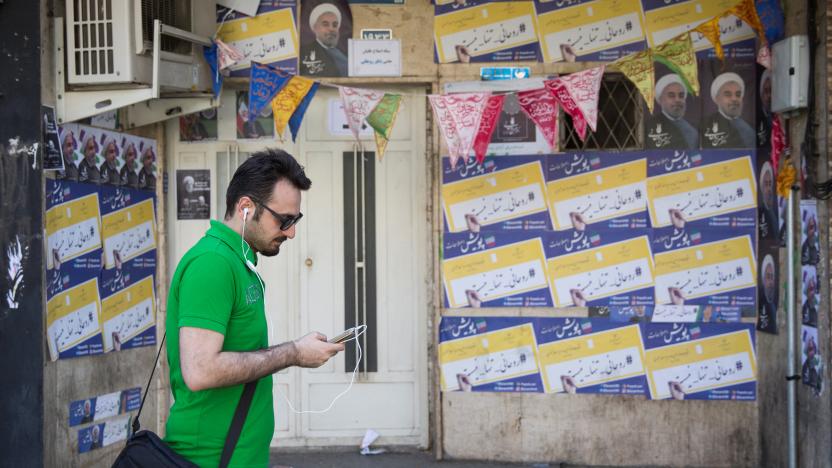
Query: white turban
(321, 9)
(724, 78)
(668, 80)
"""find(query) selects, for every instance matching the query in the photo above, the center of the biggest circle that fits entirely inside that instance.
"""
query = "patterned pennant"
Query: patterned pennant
(786, 178)
(542, 107)
(210, 54)
(358, 103)
(227, 55)
(746, 11)
(710, 29)
(447, 126)
(679, 56)
(382, 119)
(771, 16)
(638, 68)
(297, 116)
(466, 110)
(583, 88)
(564, 98)
(287, 100)
(488, 122)
(778, 141)
(264, 84)
(764, 57)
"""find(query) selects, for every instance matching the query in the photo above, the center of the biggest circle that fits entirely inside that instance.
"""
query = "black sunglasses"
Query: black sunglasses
(286, 221)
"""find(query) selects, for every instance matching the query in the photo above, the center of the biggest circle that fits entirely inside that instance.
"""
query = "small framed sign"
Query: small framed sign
(377, 34)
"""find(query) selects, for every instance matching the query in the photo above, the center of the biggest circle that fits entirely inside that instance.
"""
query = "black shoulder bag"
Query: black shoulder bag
(146, 449)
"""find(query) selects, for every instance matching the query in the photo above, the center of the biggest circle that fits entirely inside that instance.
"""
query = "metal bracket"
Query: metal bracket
(144, 105)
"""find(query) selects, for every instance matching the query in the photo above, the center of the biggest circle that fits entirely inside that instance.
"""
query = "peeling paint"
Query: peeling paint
(15, 255)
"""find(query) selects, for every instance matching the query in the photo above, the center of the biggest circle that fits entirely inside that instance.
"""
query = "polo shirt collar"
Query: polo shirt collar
(232, 239)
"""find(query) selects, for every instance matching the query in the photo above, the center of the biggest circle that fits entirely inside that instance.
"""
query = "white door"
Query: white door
(359, 256)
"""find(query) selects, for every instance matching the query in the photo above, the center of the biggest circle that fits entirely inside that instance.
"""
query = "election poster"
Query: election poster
(729, 93)
(811, 368)
(103, 434)
(100, 268)
(507, 193)
(104, 406)
(591, 356)
(492, 354)
(599, 30)
(485, 31)
(809, 237)
(199, 126)
(701, 361)
(667, 19)
(270, 37)
(810, 295)
(767, 212)
(768, 286)
(674, 122)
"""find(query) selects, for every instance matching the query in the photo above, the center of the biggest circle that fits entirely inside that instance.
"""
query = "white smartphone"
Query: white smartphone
(343, 336)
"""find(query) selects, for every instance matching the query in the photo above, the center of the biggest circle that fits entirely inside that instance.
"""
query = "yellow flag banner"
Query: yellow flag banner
(678, 55)
(786, 178)
(638, 68)
(710, 29)
(287, 100)
(746, 11)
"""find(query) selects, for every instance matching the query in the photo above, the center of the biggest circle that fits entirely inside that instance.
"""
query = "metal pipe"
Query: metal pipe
(791, 382)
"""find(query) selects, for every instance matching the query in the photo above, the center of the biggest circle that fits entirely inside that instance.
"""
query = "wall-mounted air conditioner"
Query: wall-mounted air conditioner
(110, 42)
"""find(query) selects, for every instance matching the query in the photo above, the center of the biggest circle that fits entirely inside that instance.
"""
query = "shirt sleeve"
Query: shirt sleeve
(207, 294)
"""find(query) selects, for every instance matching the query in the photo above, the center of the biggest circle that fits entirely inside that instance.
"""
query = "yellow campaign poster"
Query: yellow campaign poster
(265, 38)
(128, 313)
(72, 229)
(72, 321)
(706, 270)
(601, 30)
(664, 22)
(488, 357)
(583, 361)
(492, 31)
(128, 233)
(702, 192)
(599, 195)
(609, 270)
(704, 361)
(500, 272)
(492, 198)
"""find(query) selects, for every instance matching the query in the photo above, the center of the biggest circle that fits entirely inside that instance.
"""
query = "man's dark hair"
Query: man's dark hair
(257, 176)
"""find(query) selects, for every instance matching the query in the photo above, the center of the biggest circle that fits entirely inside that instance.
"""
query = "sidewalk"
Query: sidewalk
(353, 459)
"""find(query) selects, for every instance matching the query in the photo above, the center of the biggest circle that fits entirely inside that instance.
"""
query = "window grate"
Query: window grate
(92, 29)
(619, 119)
(176, 13)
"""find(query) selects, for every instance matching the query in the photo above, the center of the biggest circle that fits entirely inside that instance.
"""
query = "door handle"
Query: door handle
(308, 262)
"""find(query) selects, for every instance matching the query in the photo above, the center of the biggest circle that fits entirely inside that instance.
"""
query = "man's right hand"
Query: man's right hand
(313, 350)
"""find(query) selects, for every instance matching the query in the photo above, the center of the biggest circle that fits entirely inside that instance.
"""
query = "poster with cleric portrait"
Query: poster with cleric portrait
(728, 101)
(106, 157)
(325, 27)
(676, 114)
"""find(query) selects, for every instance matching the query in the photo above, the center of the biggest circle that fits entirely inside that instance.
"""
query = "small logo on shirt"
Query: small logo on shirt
(253, 293)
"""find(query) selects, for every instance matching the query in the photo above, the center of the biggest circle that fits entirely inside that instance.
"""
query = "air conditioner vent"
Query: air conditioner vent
(176, 13)
(92, 30)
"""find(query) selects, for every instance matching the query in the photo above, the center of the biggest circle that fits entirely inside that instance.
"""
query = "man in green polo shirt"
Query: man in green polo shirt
(216, 323)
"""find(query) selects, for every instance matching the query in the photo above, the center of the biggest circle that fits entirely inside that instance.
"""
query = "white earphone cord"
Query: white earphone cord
(357, 331)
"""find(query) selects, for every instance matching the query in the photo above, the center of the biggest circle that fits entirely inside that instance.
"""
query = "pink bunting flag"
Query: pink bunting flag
(227, 55)
(358, 103)
(562, 95)
(459, 119)
(778, 141)
(488, 122)
(764, 57)
(542, 107)
(578, 94)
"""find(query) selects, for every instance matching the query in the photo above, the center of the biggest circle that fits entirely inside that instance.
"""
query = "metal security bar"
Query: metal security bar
(619, 119)
(92, 29)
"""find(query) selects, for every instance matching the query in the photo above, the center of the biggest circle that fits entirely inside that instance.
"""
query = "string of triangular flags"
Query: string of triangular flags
(467, 120)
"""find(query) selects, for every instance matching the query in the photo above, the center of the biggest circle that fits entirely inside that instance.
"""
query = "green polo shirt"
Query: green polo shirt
(213, 289)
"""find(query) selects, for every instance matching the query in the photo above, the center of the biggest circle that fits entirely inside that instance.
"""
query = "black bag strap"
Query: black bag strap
(237, 423)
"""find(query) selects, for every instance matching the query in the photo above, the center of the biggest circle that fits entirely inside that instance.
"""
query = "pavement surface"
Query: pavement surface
(385, 460)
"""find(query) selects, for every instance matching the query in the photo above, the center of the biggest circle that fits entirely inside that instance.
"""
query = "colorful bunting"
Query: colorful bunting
(786, 178)
(746, 11)
(465, 112)
(680, 57)
(297, 116)
(210, 54)
(778, 141)
(358, 103)
(638, 68)
(771, 16)
(288, 100)
(488, 122)
(558, 89)
(382, 119)
(227, 55)
(764, 57)
(542, 107)
(582, 89)
(265, 82)
(710, 29)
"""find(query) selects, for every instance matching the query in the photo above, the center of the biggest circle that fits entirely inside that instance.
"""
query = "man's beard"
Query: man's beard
(330, 40)
(270, 250)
